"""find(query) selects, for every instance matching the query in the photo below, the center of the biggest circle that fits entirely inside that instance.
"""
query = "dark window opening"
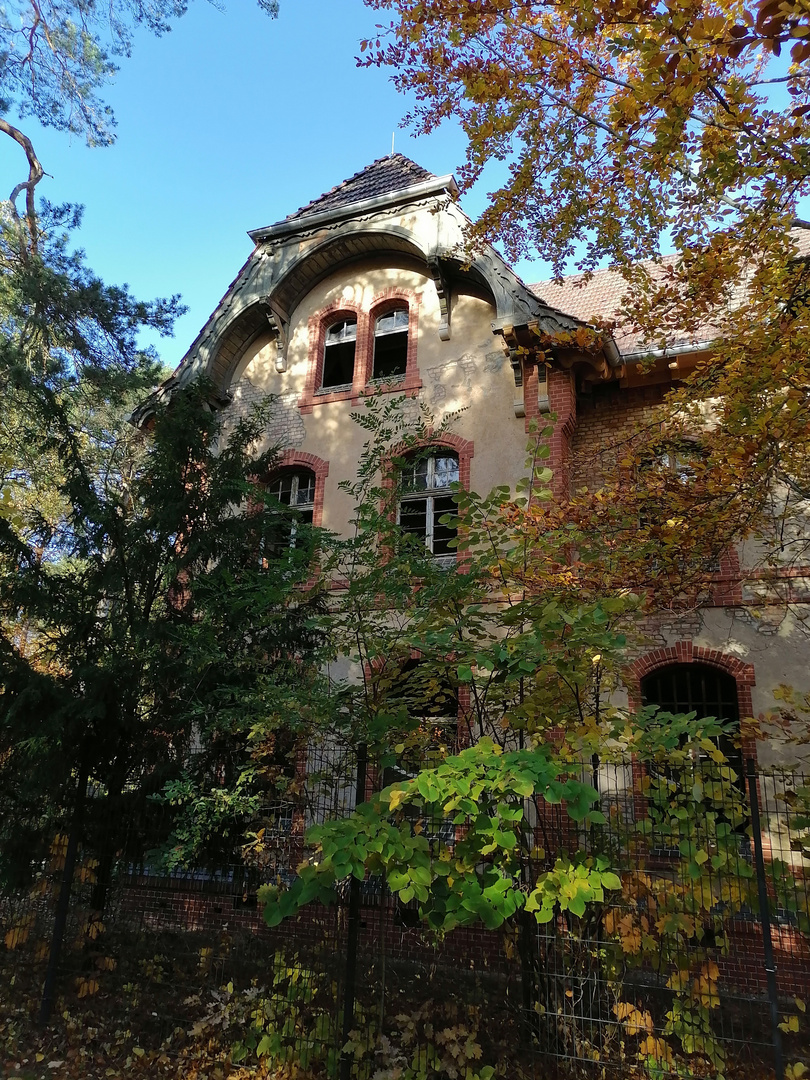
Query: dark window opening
(677, 466)
(426, 496)
(391, 345)
(338, 354)
(707, 691)
(431, 702)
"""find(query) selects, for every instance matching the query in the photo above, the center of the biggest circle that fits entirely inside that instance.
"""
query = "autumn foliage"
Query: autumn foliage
(633, 129)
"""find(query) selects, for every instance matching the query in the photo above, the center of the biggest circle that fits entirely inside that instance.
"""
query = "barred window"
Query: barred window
(699, 688)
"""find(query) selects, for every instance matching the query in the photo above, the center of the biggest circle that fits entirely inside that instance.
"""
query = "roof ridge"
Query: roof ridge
(329, 196)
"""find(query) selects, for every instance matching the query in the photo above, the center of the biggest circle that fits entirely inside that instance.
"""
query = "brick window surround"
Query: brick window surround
(294, 459)
(362, 385)
(464, 449)
(685, 652)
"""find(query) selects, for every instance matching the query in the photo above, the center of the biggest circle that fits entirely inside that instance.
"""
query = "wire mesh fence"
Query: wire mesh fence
(697, 966)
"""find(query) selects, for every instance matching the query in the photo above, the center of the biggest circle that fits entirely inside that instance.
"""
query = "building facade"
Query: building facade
(364, 291)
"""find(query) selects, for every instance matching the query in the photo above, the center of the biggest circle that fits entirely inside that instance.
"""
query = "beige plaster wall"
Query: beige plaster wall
(470, 372)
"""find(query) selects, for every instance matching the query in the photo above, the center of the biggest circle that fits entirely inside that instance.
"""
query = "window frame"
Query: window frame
(396, 309)
(296, 461)
(363, 384)
(445, 722)
(429, 494)
(409, 382)
(295, 472)
(464, 450)
(342, 387)
(698, 698)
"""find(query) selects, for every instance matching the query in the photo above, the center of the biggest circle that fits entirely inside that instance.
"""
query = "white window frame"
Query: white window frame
(347, 332)
(401, 325)
(429, 494)
(297, 473)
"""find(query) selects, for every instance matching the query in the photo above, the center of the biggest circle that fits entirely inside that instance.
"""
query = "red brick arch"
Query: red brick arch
(686, 652)
(364, 348)
(382, 303)
(465, 448)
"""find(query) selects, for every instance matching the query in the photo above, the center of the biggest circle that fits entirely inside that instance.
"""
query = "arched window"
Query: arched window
(339, 348)
(391, 345)
(699, 688)
(426, 495)
(294, 489)
(431, 703)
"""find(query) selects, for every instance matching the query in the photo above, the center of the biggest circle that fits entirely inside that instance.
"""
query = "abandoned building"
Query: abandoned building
(363, 291)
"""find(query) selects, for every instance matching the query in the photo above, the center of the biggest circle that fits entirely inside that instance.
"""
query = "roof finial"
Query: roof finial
(393, 133)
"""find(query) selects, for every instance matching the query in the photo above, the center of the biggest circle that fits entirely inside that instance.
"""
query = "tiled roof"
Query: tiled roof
(395, 172)
(597, 298)
(601, 298)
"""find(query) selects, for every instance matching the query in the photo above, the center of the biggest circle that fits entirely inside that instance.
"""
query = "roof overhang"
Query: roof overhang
(437, 185)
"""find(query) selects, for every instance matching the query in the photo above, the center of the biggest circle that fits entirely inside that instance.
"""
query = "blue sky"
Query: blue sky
(230, 122)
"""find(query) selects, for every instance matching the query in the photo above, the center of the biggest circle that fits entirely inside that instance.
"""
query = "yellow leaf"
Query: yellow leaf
(59, 844)
(87, 987)
(94, 927)
(396, 798)
(656, 1048)
(18, 935)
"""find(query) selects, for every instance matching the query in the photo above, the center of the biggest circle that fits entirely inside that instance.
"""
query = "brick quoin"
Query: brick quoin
(531, 391)
(562, 403)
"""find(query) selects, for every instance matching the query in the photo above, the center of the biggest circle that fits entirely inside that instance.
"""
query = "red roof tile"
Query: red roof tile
(601, 298)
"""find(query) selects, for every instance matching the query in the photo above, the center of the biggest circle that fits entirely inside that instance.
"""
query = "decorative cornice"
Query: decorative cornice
(437, 185)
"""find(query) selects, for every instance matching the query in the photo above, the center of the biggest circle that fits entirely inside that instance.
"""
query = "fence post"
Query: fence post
(63, 903)
(765, 921)
(352, 934)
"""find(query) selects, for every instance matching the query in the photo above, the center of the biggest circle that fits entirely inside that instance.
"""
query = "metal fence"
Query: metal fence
(360, 986)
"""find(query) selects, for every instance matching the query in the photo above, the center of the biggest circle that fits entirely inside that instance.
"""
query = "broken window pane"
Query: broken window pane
(426, 497)
(391, 345)
(338, 354)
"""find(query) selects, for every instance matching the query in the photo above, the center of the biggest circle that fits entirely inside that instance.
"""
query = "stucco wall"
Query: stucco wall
(470, 372)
